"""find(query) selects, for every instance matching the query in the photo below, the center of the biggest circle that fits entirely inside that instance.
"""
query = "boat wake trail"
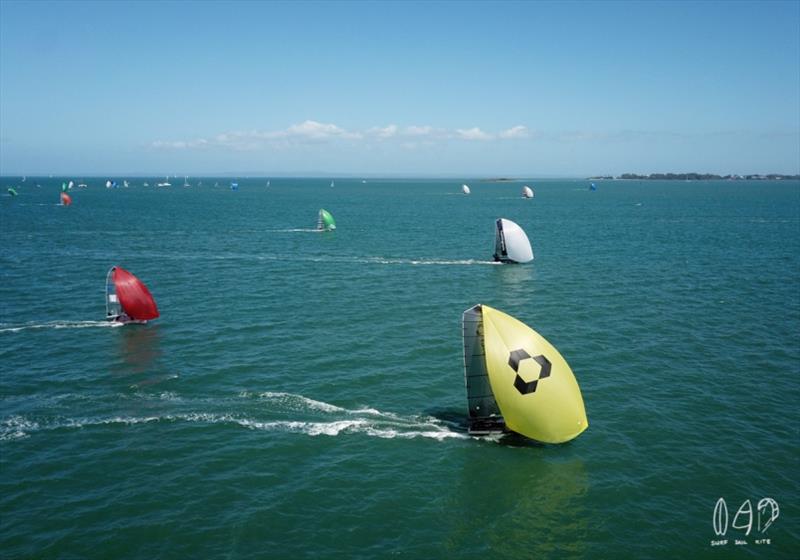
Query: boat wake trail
(397, 261)
(323, 418)
(6, 327)
(269, 412)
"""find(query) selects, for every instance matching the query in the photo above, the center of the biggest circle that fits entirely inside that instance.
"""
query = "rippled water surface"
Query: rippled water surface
(302, 394)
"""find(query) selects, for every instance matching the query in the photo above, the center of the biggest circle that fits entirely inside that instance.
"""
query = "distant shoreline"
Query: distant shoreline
(695, 177)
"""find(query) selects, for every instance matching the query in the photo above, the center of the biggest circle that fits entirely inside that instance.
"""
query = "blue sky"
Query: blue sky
(408, 88)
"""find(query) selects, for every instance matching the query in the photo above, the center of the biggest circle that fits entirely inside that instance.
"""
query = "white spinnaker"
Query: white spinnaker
(517, 245)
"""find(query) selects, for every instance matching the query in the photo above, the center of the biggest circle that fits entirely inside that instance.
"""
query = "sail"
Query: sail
(127, 294)
(465, 189)
(108, 184)
(531, 383)
(484, 414)
(113, 308)
(234, 186)
(66, 199)
(511, 245)
(527, 192)
(592, 187)
(12, 191)
(325, 221)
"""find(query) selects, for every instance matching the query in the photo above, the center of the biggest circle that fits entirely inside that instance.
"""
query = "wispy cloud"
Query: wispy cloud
(472, 134)
(518, 131)
(309, 132)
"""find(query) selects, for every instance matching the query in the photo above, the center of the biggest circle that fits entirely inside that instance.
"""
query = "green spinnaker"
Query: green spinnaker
(326, 221)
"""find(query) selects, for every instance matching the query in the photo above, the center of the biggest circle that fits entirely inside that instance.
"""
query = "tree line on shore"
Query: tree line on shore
(698, 177)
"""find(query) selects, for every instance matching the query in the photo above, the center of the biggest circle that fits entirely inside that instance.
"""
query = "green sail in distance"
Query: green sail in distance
(325, 221)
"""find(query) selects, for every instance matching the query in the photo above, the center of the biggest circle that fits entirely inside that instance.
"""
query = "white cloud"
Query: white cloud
(474, 133)
(310, 131)
(384, 132)
(318, 131)
(518, 131)
(418, 130)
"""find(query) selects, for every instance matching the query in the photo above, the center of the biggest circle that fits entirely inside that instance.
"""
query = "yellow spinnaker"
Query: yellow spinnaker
(533, 385)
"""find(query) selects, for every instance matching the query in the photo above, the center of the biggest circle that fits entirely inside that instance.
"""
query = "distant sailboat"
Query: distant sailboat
(592, 187)
(125, 183)
(12, 191)
(517, 381)
(166, 183)
(70, 185)
(66, 199)
(527, 192)
(511, 245)
(146, 184)
(82, 186)
(186, 181)
(325, 221)
(234, 186)
(24, 178)
(465, 189)
(127, 298)
(267, 182)
(332, 183)
(108, 184)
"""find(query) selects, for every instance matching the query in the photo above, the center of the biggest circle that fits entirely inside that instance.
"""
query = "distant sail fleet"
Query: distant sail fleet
(516, 381)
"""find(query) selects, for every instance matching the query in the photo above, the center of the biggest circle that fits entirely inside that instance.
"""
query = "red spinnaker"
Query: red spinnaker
(66, 199)
(133, 295)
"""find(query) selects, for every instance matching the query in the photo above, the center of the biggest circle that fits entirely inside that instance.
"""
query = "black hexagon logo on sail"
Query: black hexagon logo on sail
(516, 359)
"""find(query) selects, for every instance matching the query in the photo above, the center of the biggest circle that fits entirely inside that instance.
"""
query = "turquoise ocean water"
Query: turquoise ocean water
(302, 394)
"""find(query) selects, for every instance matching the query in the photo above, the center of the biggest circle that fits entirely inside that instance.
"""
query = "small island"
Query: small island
(696, 177)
